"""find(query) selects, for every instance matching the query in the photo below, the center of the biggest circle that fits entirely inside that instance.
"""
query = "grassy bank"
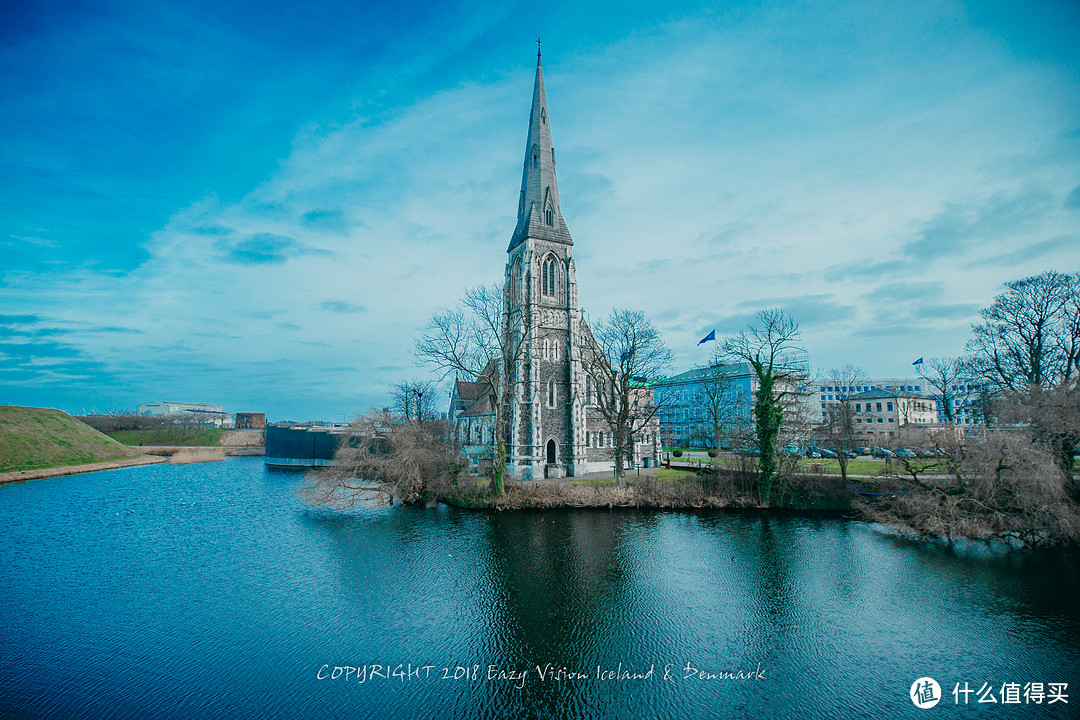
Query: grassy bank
(178, 436)
(659, 488)
(36, 438)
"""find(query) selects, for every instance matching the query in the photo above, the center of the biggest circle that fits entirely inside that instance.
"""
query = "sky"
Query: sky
(261, 205)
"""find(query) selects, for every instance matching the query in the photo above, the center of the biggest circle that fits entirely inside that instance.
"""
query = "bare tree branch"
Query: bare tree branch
(624, 354)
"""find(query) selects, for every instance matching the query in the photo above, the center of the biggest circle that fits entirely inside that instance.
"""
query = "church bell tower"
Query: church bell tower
(546, 423)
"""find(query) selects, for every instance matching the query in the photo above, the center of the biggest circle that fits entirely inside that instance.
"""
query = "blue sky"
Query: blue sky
(260, 205)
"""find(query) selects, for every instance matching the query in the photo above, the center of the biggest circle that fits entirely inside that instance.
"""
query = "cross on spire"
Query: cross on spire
(538, 42)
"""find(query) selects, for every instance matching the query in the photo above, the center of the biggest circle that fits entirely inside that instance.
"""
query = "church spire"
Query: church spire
(539, 215)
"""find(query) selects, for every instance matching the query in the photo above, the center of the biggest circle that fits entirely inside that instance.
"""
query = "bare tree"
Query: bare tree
(720, 401)
(1001, 487)
(385, 459)
(484, 337)
(770, 347)
(626, 351)
(414, 400)
(1027, 352)
(1030, 334)
(117, 420)
(943, 374)
(839, 417)
(1052, 417)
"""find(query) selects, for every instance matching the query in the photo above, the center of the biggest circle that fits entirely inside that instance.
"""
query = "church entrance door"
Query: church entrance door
(551, 452)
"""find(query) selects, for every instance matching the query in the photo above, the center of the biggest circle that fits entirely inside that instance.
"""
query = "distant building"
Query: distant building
(965, 397)
(685, 422)
(203, 413)
(683, 418)
(885, 412)
(250, 421)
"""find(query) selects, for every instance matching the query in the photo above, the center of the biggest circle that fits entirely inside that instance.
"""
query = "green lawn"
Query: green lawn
(185, 437)
(827, 466)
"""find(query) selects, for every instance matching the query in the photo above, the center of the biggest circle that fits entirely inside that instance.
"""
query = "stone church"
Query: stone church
(555, 429)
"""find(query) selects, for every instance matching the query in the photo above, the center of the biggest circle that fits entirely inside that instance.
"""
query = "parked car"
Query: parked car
(880, 452)
(791, 449)
(905, 453)
(846, 453)
(860, 450)
(817, 452)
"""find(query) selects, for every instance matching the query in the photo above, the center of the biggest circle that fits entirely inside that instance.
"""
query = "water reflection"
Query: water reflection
(180, 591)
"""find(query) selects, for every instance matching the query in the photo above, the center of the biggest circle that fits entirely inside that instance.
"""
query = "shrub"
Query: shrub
(712, 453)
(676, 453)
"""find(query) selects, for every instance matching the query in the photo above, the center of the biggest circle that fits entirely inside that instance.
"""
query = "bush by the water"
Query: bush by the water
(1000, 487)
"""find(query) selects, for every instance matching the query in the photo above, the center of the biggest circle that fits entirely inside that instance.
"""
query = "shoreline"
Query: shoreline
(14, 476)
(151, 455)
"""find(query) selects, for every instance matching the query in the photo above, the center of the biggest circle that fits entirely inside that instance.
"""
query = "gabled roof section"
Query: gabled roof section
(539, 215)
(480, 407)
(470, 390)
(735, 370)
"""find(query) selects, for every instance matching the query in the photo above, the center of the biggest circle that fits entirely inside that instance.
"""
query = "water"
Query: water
(212, 591)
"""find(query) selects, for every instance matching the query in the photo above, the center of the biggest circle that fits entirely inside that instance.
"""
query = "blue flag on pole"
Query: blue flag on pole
(917, 362)
(707, 338)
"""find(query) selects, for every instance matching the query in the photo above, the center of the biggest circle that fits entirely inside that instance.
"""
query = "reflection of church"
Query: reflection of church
(554, 428)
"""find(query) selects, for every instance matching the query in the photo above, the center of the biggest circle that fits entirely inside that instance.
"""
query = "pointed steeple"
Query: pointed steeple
(539, 215)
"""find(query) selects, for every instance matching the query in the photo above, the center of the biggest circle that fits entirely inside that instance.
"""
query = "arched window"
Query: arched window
(600, 439)
(551, 393)
(551, 452)
(549, 208)
(551, 349)
(535, 158)
(548, 274)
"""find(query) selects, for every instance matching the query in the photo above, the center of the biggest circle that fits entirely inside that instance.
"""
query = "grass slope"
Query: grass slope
(35, 438)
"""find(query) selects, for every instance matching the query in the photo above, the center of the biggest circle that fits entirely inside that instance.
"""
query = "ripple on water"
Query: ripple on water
(212, 591)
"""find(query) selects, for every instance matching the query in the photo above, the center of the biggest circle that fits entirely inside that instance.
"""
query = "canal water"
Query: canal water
(207, 591)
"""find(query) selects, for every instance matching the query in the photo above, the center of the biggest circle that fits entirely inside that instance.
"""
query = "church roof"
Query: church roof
(470, 390)
(480, 406)
(539, 189)
(472, 398)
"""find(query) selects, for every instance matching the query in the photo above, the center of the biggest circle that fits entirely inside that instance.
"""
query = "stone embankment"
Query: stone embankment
(184, 454)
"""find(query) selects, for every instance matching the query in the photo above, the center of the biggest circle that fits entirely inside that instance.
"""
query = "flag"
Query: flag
(707, 338)
(917, 362)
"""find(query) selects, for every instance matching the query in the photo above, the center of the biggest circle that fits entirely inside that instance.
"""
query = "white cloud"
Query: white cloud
(706, 170)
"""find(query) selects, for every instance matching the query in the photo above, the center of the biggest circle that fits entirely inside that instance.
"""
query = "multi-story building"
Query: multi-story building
(964, 397)
(885, 412)
(685, 399)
